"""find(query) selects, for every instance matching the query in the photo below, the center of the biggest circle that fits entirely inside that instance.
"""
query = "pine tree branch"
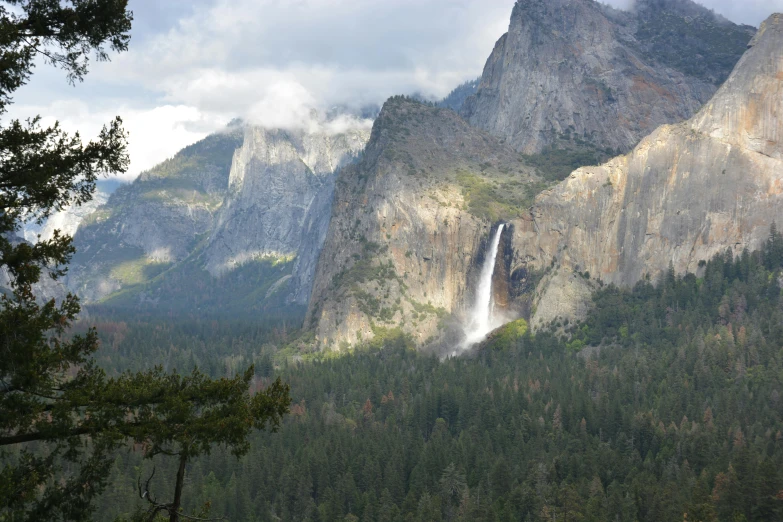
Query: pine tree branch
(36, 436)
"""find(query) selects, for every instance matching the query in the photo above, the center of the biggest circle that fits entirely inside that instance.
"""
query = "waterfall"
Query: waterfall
(482, 319)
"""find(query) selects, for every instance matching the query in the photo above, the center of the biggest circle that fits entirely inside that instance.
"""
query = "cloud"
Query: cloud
(283, 104)
(241, 56)
(154, 135)
(193, 65)
(343, 123)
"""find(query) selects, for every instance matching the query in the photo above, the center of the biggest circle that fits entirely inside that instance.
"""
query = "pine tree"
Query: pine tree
(184, 417)
(773, 251)
(51, 391)
(43, 170)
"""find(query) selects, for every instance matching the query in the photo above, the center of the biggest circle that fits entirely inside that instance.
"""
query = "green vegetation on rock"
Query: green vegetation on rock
(137, 271)
(485, 199)
(215, 151)
(186, 289)
(556, 164)
(508, 335)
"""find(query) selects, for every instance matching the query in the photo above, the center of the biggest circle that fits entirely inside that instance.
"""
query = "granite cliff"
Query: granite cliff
(155, 222)
(576, 74)
(279, 200)
(411, 220)
(408, 222)
(685, 193)
(224, 222)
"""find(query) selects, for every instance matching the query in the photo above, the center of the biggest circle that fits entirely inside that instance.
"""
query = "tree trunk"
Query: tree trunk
(174, 512)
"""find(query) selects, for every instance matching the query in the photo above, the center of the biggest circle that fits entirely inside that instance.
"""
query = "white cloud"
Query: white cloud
(283, 104)
(195, 64)
(343, 123)
(239, 56)
(154, 135)
(269, 61)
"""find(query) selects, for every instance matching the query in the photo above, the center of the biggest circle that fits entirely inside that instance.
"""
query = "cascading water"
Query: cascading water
(482, 319)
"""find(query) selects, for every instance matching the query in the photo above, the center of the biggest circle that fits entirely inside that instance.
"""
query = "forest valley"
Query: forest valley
(664, 404)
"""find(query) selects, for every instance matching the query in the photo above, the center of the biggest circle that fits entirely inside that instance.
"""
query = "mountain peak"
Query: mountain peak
(745, 109)
(574, 73)
(769, 28)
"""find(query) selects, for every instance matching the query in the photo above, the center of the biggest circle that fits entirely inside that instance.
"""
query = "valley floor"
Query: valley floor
(664, 403)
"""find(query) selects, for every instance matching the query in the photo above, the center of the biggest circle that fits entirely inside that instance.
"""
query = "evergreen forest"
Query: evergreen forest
(664, 404)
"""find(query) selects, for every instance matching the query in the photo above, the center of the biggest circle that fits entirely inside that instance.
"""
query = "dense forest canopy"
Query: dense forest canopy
(664, 402)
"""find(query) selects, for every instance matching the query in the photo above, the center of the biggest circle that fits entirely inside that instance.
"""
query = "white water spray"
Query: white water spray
(483, 319)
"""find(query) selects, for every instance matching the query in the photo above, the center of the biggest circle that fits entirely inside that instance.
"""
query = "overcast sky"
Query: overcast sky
(193, 65)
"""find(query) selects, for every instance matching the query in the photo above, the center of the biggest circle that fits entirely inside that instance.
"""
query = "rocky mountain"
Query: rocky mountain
(575, 74)
(232, 209)
(685, 193)
(279, 199)
(390, 238)
(409, 221)
(151, 224)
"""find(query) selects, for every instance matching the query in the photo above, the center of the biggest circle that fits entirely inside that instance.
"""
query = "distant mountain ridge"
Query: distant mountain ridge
(154, 222)
(198, 224)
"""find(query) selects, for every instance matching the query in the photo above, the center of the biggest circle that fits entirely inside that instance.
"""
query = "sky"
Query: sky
(194, 65)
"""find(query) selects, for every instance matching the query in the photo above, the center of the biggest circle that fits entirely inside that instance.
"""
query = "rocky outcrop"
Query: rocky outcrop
(279, 199)
(574, 73)
(408, 222)
(685, 193)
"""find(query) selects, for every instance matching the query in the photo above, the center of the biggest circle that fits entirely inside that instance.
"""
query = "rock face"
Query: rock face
(278, 200)
(154, 222)
(685, 193)
(408, 221)
(577, 73)
(246, 196)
